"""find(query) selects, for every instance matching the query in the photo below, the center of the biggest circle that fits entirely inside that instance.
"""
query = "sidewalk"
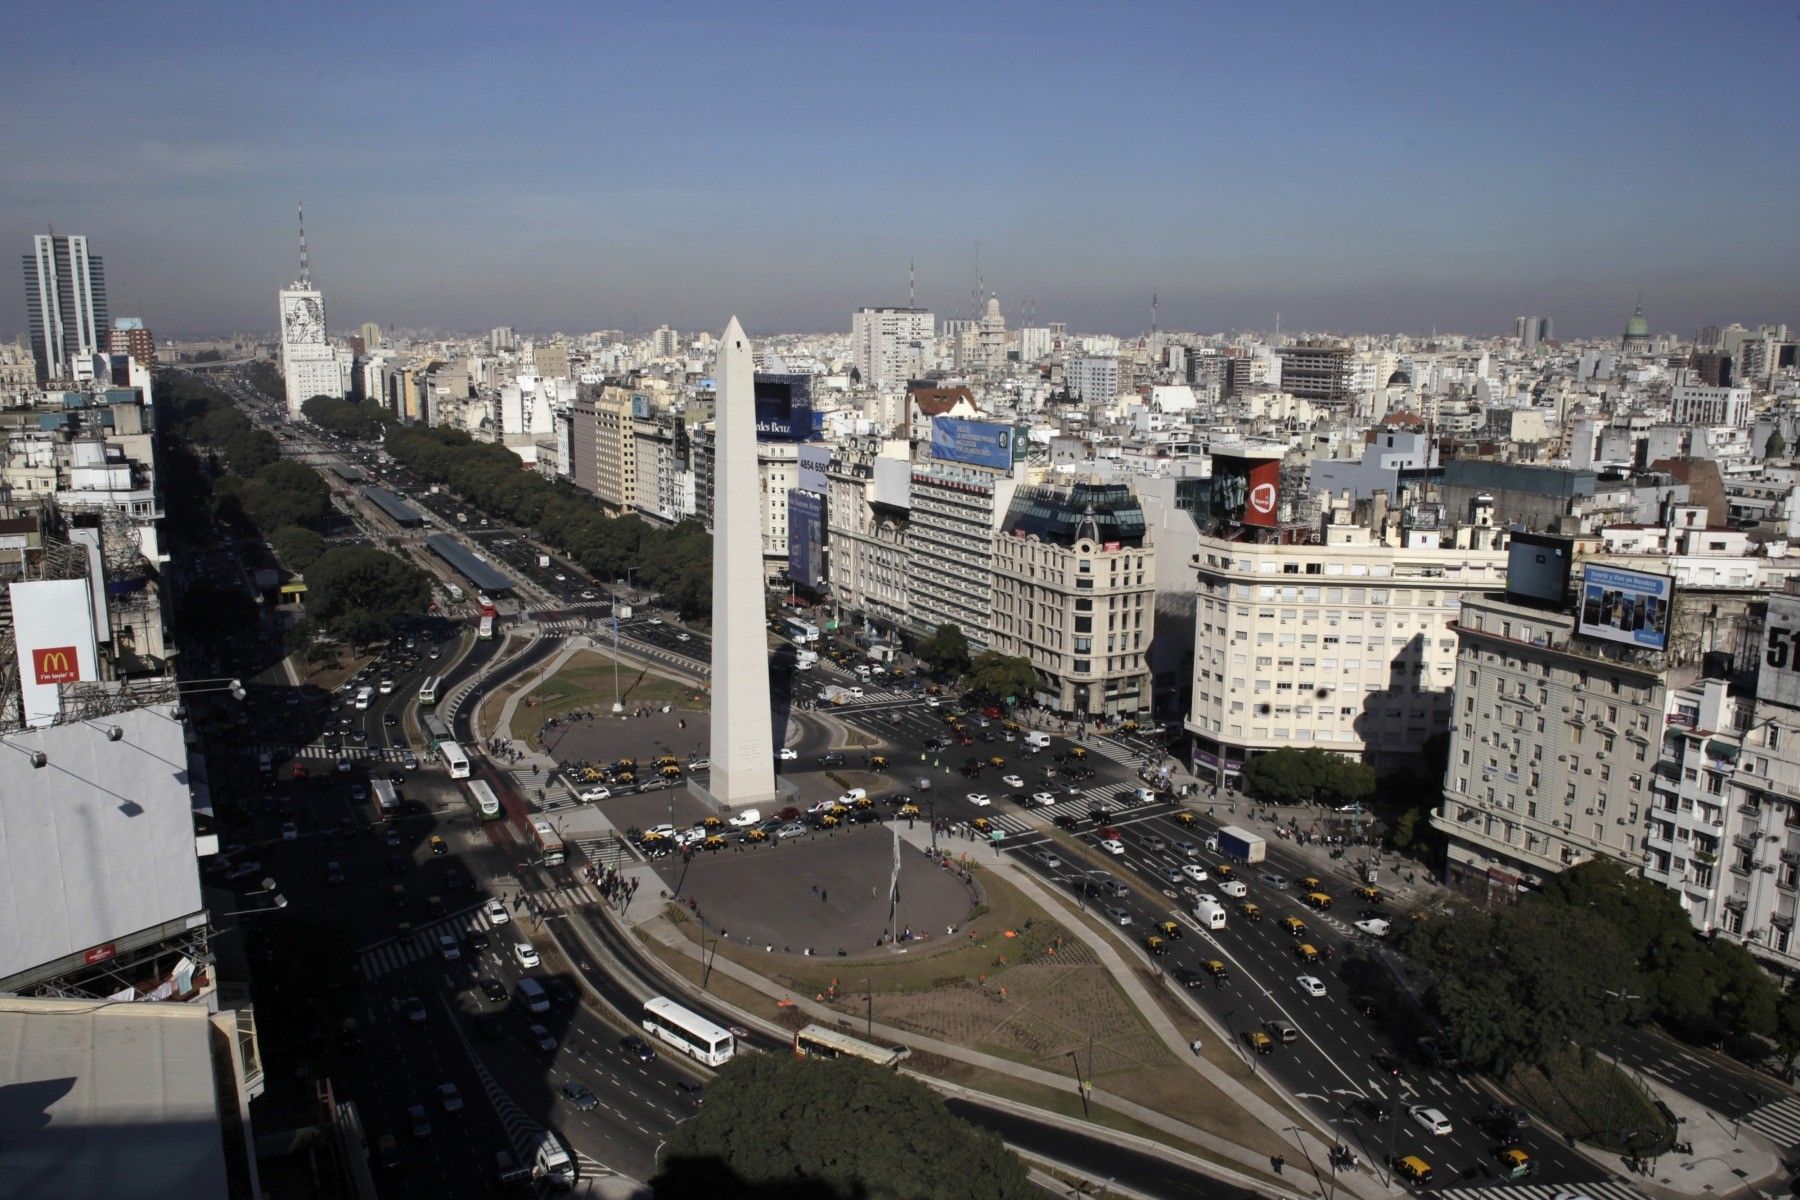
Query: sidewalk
(1728, 1156)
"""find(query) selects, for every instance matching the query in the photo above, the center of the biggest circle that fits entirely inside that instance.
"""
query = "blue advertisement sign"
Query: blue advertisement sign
(978, 443)
(1632, 607)
(806, 539)
(784, 411)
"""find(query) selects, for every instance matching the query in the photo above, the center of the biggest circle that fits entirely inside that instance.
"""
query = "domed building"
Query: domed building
(1637, 332)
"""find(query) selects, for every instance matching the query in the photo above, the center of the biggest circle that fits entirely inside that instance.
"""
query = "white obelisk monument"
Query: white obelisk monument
(743, 752)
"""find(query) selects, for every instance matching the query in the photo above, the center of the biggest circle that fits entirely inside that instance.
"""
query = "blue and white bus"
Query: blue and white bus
(799, 632)
(688, 1032)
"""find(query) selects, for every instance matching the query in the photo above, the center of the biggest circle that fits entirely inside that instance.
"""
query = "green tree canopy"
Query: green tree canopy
(946, 650)
(357, 593)
(774, 1125)
(1294, 776)
(286, 493)
(1003, 675)
(345, 417)
(297, 548)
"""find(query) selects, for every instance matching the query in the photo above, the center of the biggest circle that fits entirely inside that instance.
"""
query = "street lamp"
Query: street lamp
(1081, 1086)
(618, 704)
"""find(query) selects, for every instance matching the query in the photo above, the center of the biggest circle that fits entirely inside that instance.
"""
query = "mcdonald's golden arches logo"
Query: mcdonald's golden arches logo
(56, 664)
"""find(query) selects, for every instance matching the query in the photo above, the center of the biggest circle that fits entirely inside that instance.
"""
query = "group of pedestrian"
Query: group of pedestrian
(504, 748)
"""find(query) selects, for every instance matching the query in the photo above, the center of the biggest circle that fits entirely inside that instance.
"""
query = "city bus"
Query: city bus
(549, 843)
(483, 801)
(816, 1041)
(436, 731)
(455, 759)
(387, 798)
(688, 1032)
(428, 691)
(799, 631)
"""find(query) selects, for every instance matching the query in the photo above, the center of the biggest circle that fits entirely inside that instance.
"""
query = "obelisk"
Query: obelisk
(743, 752)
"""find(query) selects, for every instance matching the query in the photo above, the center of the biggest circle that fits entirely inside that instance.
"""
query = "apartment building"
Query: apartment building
(890, 345)
(868, 508)
(1345, 643)
(1074, 580)
(664, 485)
(956, 509)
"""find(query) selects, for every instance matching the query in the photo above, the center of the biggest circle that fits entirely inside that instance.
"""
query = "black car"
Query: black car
(493, 989)
(477, 942)
(859, 816)
(579, 1095)
(1188, 977)
(1065, 821)
(636, 1047)
(1504, 1131)
(831, 758)
(560, 993)
(397, 864)
(1518, 1118)
(1375, 1108)
(489, 1027)
(455, 878)
(1100, 814)
(1368, 1006)
(1387, 1064)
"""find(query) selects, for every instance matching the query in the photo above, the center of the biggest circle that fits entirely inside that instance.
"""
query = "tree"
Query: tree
(1003, 675)
(778, 1126)
(286, 493)
(947, 650)
(297, 548)
(1776, 446)
(1284, 776)
(358, 592)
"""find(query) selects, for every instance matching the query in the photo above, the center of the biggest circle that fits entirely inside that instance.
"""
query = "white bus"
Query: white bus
(387, 798)
(800, 632)
(483, 801)
(688, 1032)
(549, 842)
(817, 1041)
(455, 759)
(428, 691)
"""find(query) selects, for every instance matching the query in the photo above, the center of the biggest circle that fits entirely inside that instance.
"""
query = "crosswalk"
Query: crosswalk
(1073, 806)
(1593, 1189)
(522, 1129)
(286, 750)
(1779, 1120)
(555, 791)
(603, 853)
(372, 962)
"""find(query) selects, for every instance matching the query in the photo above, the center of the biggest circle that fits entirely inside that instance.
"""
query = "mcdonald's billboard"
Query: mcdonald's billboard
(53, 636)
(56, 664)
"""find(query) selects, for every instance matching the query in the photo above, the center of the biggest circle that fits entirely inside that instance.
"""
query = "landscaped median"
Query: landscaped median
(585, 682)
(1013, 1003)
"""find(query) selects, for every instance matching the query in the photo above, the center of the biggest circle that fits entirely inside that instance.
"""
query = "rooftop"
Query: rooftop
(464, 561)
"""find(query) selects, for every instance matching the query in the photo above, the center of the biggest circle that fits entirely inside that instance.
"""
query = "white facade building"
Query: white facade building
(890, 345)
(310, 364)
(1094, 380)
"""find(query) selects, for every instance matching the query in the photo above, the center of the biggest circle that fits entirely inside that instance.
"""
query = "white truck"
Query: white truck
(805, 660)
(543, 560)
(833, 694)
(551, 1161)
(1209, 912)
(455, 590)
(363, 696)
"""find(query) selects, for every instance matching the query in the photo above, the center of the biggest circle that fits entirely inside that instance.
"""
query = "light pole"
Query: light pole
(1081, 1086)
(618, 704)
(869, 995)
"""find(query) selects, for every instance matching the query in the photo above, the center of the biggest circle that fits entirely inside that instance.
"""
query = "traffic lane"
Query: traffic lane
(1712, 1079)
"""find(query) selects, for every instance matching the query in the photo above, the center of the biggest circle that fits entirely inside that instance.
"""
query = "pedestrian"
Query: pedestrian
(1278, 1162)
(822, 895)
(815, 891)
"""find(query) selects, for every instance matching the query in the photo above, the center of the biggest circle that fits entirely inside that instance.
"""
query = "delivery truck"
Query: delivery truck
(1209, 912)
(1241, 844)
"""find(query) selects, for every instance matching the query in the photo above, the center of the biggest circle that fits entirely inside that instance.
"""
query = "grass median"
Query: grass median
(586, 683)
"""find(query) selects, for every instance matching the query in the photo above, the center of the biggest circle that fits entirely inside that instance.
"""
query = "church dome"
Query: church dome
(1637, 329)
(1400, 379)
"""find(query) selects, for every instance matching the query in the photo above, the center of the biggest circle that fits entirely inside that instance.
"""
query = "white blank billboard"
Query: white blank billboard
(53, 632)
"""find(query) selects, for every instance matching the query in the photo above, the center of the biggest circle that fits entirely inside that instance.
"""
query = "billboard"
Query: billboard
(1618, 605)
(813, 461)
(806, 539)
(53, 635)
(977, 443)
(783, 408)
(1537, 569)
(1779, 679)
(1246, 491)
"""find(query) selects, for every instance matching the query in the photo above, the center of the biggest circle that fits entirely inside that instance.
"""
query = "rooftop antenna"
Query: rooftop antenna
(911, 288)
(305, 264)
(1153, 302)
(1277, 322)
(975, 296)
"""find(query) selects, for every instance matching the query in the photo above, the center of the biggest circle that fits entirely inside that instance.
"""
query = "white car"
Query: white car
(496, 913)
(787, 754)
(1313, 986)
(1194, 871)
(589, 795)
(525, 954)
(1113, 846)
(450, 1097)
(448, 948)
(345, 766)
(855, 692)
(290, 832)
(1012, 781)
(1430, 1119)
(1233, 887)
(1043, 797)
(750, 816)
(1374, 927)
(979, 799)
(932, 702)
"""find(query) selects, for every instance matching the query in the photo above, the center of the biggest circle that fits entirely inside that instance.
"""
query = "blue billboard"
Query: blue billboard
(1620, 605)
(784, 411)
(978, 443)
(806, 539)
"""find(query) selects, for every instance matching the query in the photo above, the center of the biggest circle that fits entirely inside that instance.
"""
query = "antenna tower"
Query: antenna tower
(1153, 304)
(305, 264)
(911, 287)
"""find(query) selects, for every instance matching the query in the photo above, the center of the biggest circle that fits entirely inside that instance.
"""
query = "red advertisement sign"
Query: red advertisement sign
(1262, 499)
(99, 954)
(56, 664)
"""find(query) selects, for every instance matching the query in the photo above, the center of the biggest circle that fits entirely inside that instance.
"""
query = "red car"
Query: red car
(299, 770)
(788, 814)
(963, 739)
(991, 711)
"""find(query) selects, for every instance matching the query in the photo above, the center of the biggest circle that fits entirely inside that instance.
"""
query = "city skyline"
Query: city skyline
(572, 171)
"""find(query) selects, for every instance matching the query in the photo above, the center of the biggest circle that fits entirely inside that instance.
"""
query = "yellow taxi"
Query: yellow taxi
(981, 824)
(1311, 883)
(756, 835)
(1306, 952)
(909, 809)
(1078, 753)
(1294, 925)
(713, 842)
(668, 760)
(1222, 871)
(669, 772)
(1371, 894)
(1413, 1169)
(1514, 1162)
(1259, 1041)
(1185, 818)
(1217, 969)
(997, 763)
(1249, 911)
(828, 821)
(1171, 930)
(1155, 945)
(1318, 901)
(878, 763)
(711, 823)
(437, 844)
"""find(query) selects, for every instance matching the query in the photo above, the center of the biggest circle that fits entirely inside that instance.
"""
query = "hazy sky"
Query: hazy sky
(1354, 167)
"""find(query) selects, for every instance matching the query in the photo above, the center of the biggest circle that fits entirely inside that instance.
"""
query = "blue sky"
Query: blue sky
(1353, 167)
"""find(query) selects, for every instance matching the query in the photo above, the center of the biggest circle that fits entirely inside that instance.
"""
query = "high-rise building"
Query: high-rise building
(1316, 371)
(129, 336)
(1094, 380)
(65, 300)
(371, 335)
(309, 362)
(890, 344)
(1532, 331)
(990, 338)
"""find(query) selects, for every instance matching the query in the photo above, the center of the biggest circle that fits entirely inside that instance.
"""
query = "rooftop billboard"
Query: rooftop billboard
(1632, 607)
(53, 634)
(783, 408)
(977, 443)
(1245, 490)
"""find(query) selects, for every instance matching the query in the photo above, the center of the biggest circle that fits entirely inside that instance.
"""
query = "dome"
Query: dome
(1637, 329)
(1400, 379)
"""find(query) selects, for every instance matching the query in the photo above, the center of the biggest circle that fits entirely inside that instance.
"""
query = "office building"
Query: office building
(1074, 583)
(956, 507)
(890, 345)
(1093, 379)
(868, 506)
(65, 302)
(128, 336)
(1693, 403)
(310, 364)
(1318, 372)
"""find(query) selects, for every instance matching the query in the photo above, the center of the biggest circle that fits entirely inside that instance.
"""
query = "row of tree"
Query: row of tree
(1596, 947)
(346, 418)
(1309, 776)
(677, 562)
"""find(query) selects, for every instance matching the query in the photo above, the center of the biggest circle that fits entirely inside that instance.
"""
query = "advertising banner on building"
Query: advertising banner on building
(977, 443)
(1618, 605)
(783, 408)
(806, 539)
(1246, 491)
(813, 460)
(53, 635)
